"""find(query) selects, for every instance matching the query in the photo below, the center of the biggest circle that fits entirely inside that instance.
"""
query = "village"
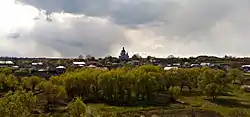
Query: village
(47, 67)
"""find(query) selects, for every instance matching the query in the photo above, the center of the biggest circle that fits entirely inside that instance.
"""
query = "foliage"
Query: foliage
(121, 86)
(236, 75)
(174, 91)
(214, 82)
(17, 104)
(77, 108)
(127, 85)
(6, 71)
(30, 83)
(50, 92)
(8, 83)
(23, 71)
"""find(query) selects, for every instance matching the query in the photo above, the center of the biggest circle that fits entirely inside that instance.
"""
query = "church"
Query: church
(123, 55)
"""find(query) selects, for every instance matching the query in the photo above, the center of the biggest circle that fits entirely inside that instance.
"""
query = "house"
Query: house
(6, 63)
(168, 68)
(246, 68)
(97, 64)
(205, 64)
(246, 88)
(43, 73)
(224, 67)
(194, 65)
(60, 69)
(79, 64)
(15, 67)
(97, 67)
(92, 66)
(177, 64)
(36, 64)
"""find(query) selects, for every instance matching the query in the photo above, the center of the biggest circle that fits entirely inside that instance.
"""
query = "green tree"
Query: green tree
(6, 71)
(30, 83)
(214, 83)
(174, 91)
(9, 82)
(192, 76)
(77, 108)
(17, 104)
(51, 93)
(136, 57)
(236, 75)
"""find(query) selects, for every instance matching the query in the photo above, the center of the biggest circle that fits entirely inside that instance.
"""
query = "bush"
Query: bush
(77, 108)
(174, 91)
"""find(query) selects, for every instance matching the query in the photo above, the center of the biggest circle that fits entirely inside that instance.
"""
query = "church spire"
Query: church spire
(123, 54)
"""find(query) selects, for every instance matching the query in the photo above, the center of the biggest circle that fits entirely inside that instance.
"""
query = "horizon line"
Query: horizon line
(53, 57)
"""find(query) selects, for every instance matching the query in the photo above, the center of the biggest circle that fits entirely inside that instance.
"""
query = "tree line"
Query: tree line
(121, 86)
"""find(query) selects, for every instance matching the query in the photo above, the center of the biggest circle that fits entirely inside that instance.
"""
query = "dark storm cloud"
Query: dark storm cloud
(180, 17)
(89, 7)
(129, 13)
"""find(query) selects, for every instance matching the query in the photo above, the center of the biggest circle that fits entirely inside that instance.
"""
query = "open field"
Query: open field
(236, 105)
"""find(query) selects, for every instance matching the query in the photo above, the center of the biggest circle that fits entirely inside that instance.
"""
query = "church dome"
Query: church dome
(123, 50)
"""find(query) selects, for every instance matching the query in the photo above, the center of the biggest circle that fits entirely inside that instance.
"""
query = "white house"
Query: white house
(205, 64)
(168, 68)
(6, 63)
(39, 63)
(60, 67)
(79, 64)
(246, 68)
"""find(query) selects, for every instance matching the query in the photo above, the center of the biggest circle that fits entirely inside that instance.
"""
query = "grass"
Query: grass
(247, 74)
(225, 105)
(122, 109)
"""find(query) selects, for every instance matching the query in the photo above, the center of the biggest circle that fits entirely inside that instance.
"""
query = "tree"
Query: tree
(50, 92)
(6, 71)
(59, 62)
(150, 58)
(8, 82)
(136, 57)
(236, 75)
(108, 59)
(171, 56)
(174, 91)
(80, 57)
(77, 108)
(214, 83)
(30, 83)
(17, 104)
(88, 56)
(192, 76)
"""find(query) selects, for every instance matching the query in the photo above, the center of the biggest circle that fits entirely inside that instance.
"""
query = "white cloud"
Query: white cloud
(66, 35)
(158, 28)
(15, 16)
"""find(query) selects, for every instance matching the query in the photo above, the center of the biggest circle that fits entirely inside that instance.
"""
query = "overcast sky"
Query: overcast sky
(69, 28)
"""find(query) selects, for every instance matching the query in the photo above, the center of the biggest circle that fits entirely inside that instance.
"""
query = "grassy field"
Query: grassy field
(235, 105)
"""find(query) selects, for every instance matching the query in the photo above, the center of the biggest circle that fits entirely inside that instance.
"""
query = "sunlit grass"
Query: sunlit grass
(224, 104)
(239, 100)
